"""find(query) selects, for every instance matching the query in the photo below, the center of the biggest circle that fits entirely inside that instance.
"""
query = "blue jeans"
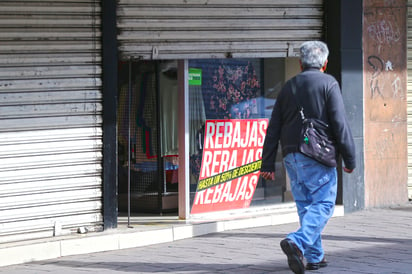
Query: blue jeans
(314, 188)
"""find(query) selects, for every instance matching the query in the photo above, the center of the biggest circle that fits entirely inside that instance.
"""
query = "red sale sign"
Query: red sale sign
(231, 164)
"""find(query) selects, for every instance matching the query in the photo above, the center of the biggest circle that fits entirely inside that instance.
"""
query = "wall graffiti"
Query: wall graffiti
(382, 26)
(384, 144)
(384, 31)
(397, 88)
(388, 66)
(390, 3)
(385, 37)
(377, 65)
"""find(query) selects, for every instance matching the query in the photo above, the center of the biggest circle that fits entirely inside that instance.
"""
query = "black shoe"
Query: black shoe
(316, 266)
(295, 258)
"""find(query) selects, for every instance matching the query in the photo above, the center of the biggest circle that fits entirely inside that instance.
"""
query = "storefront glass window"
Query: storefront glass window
(230, 105)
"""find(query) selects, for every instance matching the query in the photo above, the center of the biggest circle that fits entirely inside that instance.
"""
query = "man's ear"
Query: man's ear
(325, 65)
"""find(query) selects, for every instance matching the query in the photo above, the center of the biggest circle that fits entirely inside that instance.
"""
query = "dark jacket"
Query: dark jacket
(320, 96)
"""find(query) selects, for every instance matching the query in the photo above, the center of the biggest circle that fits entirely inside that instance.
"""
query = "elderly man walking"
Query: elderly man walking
(313, 185)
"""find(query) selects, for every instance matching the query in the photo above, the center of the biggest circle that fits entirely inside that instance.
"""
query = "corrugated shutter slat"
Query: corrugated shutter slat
(174, 29)
(50, 117)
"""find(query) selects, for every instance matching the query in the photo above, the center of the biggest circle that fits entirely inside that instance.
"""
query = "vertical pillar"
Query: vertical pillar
(109, 77)
(184, 139)
(385, 94)
(343, 34)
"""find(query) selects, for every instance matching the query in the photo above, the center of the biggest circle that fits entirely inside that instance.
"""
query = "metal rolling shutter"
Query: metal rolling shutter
(176, 29)
(409, 98)
(50, 118)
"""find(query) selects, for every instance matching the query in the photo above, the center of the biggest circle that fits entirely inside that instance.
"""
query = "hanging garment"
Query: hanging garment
(197, 117)
(168, 109)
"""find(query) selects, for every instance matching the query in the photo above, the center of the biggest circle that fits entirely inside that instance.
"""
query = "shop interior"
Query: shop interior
(148, 125)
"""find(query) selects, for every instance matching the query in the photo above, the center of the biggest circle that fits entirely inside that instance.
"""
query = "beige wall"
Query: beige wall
(292, 67)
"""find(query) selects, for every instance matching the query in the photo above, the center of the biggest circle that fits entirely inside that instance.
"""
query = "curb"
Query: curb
(122, 238)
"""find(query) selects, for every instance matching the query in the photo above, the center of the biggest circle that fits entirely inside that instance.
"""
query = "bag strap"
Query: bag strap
(319, 123)
(300, 108)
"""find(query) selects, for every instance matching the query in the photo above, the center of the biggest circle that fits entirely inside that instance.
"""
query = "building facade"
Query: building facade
(151, 107)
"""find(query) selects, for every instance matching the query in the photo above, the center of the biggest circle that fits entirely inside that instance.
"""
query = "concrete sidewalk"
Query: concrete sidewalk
(370, 241)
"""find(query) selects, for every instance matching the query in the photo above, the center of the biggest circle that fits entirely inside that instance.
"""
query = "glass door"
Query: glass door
(147, 138)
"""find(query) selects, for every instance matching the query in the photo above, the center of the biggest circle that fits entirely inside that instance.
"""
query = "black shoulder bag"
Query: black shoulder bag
(315, 141)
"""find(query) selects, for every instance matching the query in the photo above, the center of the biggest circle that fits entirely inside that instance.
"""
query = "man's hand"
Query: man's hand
(347, 170)
(268, 175)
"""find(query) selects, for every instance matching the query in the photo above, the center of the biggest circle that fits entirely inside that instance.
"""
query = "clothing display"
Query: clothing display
(142, 120)
(197, 118)
(168, 98)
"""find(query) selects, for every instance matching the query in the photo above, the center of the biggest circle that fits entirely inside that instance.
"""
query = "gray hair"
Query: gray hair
(313, 54)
